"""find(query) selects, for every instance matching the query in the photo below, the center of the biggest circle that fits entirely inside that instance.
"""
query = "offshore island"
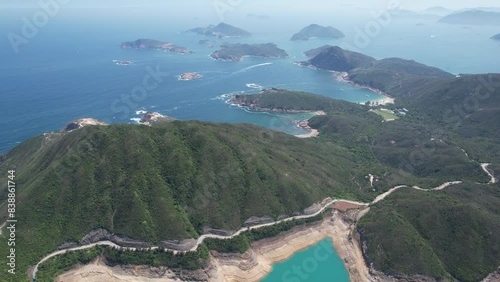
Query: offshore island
(222, 30)
(155, 44)
(189, 76)
(236, 52)
(317, 31)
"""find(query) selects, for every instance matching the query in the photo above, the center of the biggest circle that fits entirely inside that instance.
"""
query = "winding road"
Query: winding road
(200, 240)
(485, 168)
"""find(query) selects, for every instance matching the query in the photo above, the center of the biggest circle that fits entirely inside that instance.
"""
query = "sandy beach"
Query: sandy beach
(305, 125)
(313, 133)
(344, 77)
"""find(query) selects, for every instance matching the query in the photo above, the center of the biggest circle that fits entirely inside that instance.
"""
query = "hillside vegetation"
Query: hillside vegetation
(236, 52)
(451, 232)
(421, 154)
(165, 182)
(466, 108)
(317, 31)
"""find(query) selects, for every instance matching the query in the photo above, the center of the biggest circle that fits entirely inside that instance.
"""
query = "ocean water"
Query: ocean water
(319, 262)
(67, 72)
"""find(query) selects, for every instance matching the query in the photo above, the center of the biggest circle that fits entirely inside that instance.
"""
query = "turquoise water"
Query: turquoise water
(317, 263)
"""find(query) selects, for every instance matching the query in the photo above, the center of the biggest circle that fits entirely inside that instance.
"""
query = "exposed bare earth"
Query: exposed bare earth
(253, 265)
(257, 263)
(98, 272)
(345, 206)
(305, 125)
(79, 123)
(493, 277)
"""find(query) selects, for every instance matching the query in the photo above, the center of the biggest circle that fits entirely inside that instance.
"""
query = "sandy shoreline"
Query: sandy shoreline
(98, 271)
(257, 263)
(312, 132)
(344, 77)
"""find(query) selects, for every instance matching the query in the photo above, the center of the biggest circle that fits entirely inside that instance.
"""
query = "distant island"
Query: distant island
(236, 52)
(336, 59)
(438, 10)
(190, 76)
(496, 37)
(474, 17)
(221, 30)
(314, 30)
(155, 44)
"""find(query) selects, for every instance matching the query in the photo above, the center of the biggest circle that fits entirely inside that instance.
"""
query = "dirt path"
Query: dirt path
(392, 190)
(485, 168)
(1, 227)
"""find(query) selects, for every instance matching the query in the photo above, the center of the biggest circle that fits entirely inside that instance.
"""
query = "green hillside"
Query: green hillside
(288, 101)
(166, 182)
(421, 154)
(452, 231)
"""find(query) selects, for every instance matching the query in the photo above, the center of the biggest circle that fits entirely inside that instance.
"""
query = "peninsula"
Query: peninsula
(282, 101)
(236, 52)
(496, 37)
(317, 31)
(155, 44)
(221, 30)
(385, 77)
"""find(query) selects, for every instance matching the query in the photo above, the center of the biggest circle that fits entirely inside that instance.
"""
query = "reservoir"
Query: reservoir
(319, 262)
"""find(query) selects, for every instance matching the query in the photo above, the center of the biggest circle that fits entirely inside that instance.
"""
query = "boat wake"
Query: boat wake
(252, 67)
(254, 86)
